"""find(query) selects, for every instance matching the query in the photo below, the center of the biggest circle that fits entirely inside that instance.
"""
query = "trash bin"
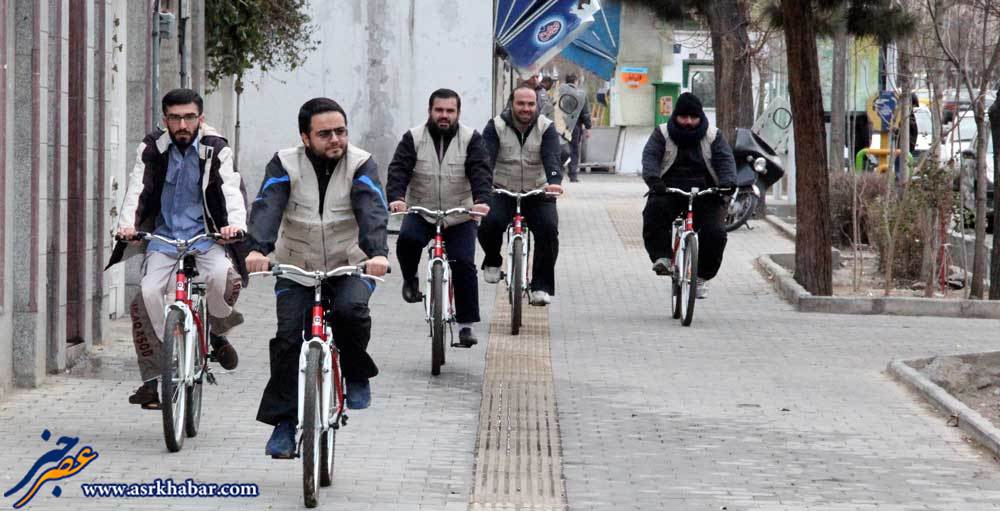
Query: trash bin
(664, 99)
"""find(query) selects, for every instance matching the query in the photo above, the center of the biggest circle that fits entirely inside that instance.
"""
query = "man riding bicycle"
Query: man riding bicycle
(441, 165)
(523, 148)
(320, 206)
(686, 152)
(183, 184)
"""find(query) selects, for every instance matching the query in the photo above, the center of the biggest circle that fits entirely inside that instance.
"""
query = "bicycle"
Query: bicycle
(185, 345)
(518, 250)
(442, 290)
(684, 240)
(321, 394)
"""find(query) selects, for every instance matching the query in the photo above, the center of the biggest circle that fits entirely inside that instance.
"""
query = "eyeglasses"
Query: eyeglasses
(328, 134)
(187, 118)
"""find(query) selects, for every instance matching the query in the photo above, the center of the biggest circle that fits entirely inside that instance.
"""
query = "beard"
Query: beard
(438, 131)
(183, 145)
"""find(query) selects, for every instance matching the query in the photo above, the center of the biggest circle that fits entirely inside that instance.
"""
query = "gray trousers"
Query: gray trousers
(223, 285)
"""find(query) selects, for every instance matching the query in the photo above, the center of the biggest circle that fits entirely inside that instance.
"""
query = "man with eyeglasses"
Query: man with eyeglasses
(183, 184)
(320, 206)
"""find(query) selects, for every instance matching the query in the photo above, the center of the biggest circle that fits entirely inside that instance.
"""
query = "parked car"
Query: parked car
(953, 102)
(925, 130)
(958, 136)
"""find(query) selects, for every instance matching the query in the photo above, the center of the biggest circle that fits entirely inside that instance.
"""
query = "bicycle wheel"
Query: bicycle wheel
(192, 413)
(311, 426)
(437, 318)
(326, 451)
(689, 280)
(516, 289)
(675, 294)
(174, 402)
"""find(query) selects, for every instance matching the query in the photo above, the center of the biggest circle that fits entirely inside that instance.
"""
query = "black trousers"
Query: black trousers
(542, 218)
(574, 150)
(347, 300)
(709, 217)
(460, 245)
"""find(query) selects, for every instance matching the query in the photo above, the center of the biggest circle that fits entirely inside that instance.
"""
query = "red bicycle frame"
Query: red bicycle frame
(319, 331)
(181, 295)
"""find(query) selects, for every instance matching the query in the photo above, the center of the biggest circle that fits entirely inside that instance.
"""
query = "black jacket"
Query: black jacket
(477, 166)
(224, 197)
(367, 201)
(722, 161)
(550, 146)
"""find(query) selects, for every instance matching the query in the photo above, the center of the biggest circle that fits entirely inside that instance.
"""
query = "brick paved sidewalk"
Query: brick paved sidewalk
(753, 407)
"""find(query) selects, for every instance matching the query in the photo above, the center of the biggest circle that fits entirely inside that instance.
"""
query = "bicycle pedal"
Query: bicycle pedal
(343, 420)
(211, 378)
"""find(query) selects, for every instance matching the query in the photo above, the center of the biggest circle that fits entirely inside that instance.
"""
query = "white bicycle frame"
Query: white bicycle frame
(525, 235)
(328, 417)
(446, 292)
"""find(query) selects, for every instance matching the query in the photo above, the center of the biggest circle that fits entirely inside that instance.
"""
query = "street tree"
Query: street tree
(974, 60)
(246, 35)
(802, 21)
(727, 21)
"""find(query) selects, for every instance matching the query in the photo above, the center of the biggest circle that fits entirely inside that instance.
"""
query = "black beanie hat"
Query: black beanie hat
(688, 104)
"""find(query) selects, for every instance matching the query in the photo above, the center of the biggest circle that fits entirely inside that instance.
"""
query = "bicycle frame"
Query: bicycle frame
(321, 334)
(193, 323)
(436, 253)
(517, 230)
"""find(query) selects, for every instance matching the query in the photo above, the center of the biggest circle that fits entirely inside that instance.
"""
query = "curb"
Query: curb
(794, 293)
(782, 226)
(969, 420)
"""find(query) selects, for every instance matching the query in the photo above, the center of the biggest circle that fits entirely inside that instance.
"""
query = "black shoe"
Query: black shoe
(223, 352)
(411, 291)
(466, 339)
(146, 396)
(574, 179)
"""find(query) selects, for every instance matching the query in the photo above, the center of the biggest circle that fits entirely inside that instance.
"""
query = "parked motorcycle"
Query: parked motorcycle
(757, 168)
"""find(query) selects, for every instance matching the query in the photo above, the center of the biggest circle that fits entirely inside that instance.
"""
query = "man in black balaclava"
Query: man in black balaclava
(687, 152)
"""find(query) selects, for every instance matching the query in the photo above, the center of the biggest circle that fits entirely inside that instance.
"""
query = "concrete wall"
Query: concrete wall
(380, 59)
(6, 146)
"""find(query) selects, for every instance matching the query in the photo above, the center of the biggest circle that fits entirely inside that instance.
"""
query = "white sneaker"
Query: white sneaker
(491, 274)
(702, 291)
(539, 298)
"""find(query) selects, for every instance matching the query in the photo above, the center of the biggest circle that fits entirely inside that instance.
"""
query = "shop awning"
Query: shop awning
(596, 49)
(532, 32)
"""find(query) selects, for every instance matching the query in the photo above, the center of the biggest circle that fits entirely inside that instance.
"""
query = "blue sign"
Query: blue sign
(885, 106)
(533, 33)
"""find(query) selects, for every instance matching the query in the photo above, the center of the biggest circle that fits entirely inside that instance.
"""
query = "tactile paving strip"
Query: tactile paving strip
(518, 454)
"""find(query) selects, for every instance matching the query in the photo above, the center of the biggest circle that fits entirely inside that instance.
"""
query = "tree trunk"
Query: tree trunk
(727, 20)
(979, 255)
(995, 251)
(838, 99)
(812, 187)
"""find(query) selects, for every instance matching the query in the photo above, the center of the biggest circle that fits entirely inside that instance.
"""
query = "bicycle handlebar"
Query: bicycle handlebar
(437, 213)
(281, 269)
(147, 236)
(706, 191)
(521, 195)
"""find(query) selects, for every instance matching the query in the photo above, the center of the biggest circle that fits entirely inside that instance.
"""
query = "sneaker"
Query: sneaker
(359, 395)
(466, 338)
(491, 274)
(702, 291)
(146, 396)
(281, 445)
(411, 291)
(663, 266)
(223, 352)
(539, 298)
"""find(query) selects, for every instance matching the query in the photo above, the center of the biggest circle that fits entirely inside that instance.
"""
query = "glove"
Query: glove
(727, 191)
(656, 186)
